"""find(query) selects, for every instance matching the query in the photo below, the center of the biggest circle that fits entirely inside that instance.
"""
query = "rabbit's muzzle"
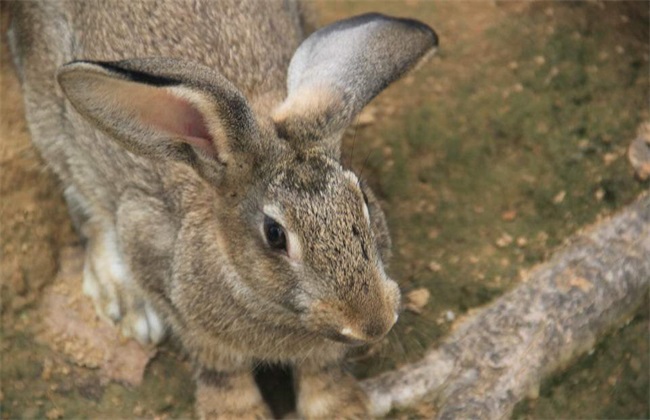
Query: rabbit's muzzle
(358, 322)
(374, 331)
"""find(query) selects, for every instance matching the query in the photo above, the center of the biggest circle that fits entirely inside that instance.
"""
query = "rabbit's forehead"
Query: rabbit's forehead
(335, 233)
(297, 175)
(315, 185)
(314, 192)
(325, 207)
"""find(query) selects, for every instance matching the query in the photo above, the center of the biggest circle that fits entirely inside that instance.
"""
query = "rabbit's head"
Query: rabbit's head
(304, 235)
(320, 241)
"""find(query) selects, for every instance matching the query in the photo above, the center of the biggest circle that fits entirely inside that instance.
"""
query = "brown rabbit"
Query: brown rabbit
(207, 180)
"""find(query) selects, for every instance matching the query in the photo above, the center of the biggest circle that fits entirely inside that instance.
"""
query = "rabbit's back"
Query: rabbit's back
(249, 42)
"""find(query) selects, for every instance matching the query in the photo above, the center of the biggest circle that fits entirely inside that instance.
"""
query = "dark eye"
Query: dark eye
(274, 233)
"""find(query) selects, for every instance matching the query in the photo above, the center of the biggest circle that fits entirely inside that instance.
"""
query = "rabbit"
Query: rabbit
(198, 146)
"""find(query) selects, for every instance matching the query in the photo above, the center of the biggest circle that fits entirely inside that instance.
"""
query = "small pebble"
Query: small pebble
(509, 215)
(608, 158)
(55, 413)
(434, 266)
(559, 197)
(417, 299)
(504, 240)
(638, 155)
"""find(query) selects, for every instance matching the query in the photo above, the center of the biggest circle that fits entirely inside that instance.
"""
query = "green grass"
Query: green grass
(506, 137)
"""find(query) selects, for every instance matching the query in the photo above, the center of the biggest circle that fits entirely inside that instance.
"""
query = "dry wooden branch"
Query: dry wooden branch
(499, 355)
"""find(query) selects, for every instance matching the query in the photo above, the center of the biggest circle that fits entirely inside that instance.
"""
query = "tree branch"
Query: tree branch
(499, 355)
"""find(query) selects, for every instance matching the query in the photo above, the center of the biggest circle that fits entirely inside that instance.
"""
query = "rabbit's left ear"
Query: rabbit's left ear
(166, 109)
(340, 68)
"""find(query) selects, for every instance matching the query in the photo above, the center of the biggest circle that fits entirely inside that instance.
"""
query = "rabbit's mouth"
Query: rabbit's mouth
(345, 339)
(351, 337)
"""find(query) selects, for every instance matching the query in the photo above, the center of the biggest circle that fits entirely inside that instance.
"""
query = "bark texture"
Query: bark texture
(499, 355)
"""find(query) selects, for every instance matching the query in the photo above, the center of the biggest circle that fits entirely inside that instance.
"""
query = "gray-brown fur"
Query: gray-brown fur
(170, 166)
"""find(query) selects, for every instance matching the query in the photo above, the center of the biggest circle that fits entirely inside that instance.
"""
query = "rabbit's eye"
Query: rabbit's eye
(275, 235)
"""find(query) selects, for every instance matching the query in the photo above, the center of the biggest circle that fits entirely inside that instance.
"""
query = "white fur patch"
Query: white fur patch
(351, 177)
(347, 331)
(141, 329)
(90, 286)
(112, 258)
(294, 248)
(366, 213)
(101, 289)
(76, 200)
(113, 310)
(156, 325)
(275, 213)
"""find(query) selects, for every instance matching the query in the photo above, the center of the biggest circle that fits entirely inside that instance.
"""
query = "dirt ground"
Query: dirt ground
(512, 138)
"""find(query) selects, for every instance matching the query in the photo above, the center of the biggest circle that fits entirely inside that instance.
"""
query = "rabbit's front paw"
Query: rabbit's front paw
(330, 393)
(143, 323)
(108, 281)
(235, 395)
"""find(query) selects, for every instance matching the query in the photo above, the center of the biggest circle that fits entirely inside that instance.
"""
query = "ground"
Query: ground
(511, 139)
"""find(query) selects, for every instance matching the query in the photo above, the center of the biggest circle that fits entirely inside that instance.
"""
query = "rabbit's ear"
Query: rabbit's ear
(164, 109)
(340, 68)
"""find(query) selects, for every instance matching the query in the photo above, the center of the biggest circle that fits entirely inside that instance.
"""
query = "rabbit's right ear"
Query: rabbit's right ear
(165, 109)
(340, 68)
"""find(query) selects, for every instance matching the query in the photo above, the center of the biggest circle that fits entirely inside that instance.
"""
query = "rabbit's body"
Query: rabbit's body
(229, 219)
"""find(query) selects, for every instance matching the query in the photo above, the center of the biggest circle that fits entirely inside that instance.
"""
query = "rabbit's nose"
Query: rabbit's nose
(376, 330)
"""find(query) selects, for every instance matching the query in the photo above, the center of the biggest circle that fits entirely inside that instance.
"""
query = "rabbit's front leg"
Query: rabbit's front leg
(108, 280)
(229, 395)
(329, 392)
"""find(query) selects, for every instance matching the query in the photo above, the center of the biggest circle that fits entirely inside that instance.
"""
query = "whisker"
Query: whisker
(354, 139)
(398, 344)
(364, 165)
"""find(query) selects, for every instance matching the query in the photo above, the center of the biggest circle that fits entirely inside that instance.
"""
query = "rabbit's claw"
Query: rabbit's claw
(117, 298)
(143, 324)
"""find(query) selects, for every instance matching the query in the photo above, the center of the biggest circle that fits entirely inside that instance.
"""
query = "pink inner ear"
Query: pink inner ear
(178, 117)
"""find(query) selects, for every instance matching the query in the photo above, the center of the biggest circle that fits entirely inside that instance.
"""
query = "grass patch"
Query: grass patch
(539, 129)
